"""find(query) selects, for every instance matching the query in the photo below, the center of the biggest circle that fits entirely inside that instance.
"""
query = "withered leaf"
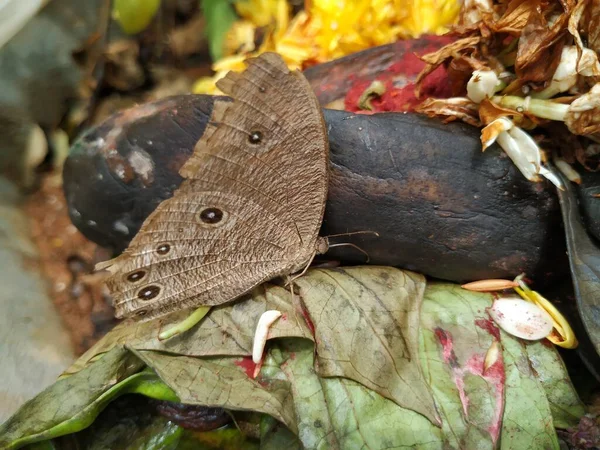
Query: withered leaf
(592, 25)
(366, 329)
(455, 342)
(471, 403)
(550, 370)
(457, 108)
(337, 413)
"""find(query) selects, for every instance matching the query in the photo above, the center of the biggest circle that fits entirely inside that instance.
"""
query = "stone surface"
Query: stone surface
(34, 347)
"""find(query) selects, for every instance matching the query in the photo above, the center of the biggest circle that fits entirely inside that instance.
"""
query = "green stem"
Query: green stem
(186, 324)
(543, 109)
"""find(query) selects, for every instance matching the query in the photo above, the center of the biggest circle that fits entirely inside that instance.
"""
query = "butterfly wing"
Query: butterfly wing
(250, 206)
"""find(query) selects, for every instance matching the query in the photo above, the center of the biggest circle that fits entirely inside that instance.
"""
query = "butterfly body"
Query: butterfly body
(250, 207)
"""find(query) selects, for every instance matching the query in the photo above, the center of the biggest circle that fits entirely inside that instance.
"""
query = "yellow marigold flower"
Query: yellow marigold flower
(327, 29)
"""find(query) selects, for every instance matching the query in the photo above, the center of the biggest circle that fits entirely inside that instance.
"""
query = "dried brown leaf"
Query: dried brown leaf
(574, 22)
(457, 108)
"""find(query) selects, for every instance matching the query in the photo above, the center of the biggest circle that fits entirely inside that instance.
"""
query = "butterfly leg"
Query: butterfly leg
(185, 324)
(295, 277)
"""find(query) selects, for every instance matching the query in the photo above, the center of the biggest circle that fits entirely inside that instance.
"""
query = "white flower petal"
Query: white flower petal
(567, 170)
(490, 132)
(262, 331)
(482, 84)
(552, 178)
(521, 318)
(522, 149)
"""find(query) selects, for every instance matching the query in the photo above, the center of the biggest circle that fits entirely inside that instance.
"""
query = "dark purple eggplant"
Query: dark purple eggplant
(439, 205)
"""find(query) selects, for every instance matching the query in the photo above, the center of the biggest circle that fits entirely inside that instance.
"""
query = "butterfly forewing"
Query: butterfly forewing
(250, 206)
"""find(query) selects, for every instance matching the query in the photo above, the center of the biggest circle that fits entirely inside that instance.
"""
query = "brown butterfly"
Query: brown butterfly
(250, 207)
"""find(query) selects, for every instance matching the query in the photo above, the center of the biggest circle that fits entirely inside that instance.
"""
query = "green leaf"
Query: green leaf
(550, 370)
(454, 341)
(70, 404)
(275, 436)
(527, 420)
(513, 401)
(336, 413)
(584, 258)
(219, 15)
(366, 328)
(135, 15)
(221, 382)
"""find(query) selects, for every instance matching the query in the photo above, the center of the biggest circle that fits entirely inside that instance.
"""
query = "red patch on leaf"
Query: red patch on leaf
(445, 340)
(494, 375)
(308, 320)
(247, 365)
(489, 326)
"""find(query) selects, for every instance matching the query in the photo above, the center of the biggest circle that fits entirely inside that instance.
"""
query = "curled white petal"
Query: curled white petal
(472, 10)
(494, 129)
(522, 149)
(588, 63)
(588, 101)
(567, 170)
(565, 76)
(521, 318)
(482, 84)
(550, 176)
(262, 330)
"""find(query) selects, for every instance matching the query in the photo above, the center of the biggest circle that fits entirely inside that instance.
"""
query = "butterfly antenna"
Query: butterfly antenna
(352, 233)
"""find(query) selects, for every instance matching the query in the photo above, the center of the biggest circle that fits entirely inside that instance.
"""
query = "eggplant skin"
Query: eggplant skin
(438, 204)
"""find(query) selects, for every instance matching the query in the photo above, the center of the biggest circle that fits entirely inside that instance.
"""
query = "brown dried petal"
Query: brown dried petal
(451, 109)
(583, 116)
(516, 17)
(489, 111)
(586, 19)
(435, 59)
(592, 25)
(540, 48)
